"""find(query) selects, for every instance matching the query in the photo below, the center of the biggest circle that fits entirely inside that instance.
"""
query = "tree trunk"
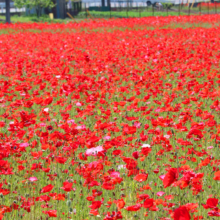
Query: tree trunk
(54, 9)
(109, 4)
(103, 3)
(7, 4)
(38, 10)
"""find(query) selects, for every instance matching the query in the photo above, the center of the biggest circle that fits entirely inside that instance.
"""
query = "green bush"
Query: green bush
(167, 5)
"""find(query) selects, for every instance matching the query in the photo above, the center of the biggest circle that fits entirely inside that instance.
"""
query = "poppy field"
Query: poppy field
(110, 119)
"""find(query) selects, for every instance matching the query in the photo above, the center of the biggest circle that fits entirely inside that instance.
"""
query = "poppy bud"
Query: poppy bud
(69, 203)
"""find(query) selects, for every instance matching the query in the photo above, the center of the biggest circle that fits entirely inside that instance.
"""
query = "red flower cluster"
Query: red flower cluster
(112, 118)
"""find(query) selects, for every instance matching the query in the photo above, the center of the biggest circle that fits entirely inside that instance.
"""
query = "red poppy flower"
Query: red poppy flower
(43, 198)
(141, 177)
(135, 155)
(145, 151)
(131, 163)
(120, 203)
(47, 188)
(4, 191)
(214, 213)
(61, 160)
(95, 205)
(211, 203)
(94, 212)
(170, 177)
(181, 213)
(108, 186)
(113, 216)
(52, 213)
(2, 124)
(67, 186)
(58, 196)
(148, 203)
(116, 152)
(217, 175)
(133, 208)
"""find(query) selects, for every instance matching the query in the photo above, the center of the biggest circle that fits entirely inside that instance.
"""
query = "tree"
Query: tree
(37, 4)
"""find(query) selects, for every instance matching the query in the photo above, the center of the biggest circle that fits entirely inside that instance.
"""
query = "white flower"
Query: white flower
(146, 145)
(121, 167)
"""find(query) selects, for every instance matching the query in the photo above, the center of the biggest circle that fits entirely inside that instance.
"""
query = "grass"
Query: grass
(33, 18)
(130, 14)
(202, 10)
